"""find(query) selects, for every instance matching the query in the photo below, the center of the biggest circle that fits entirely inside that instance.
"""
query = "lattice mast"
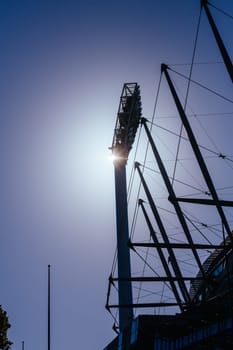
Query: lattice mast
(127, 122)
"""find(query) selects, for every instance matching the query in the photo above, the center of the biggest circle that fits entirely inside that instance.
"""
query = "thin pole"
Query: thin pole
(22, 345)
(48, 307)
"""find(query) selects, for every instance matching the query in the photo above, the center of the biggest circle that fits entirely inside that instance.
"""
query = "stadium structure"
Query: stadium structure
(181, 297)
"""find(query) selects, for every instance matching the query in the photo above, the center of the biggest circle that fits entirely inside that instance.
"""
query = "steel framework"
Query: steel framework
(215, 276)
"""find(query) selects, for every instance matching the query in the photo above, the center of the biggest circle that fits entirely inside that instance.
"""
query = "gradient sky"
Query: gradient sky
(62, 67)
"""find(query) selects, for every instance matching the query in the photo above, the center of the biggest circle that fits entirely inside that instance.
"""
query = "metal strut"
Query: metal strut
(197, 152)
(176, 245)
(161, 255)
(224, 53)
(173, 196)
(174, 263)
(204, 201)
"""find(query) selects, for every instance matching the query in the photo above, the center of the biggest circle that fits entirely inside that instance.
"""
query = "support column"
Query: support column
(124, 269)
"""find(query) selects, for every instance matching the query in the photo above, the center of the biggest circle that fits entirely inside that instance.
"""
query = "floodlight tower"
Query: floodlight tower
(127, 122)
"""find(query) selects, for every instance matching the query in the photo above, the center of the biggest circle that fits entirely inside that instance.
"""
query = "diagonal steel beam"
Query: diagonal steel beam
(197, 152)
(163, 232)
(172, 195)
(219, 41)
(161, 255)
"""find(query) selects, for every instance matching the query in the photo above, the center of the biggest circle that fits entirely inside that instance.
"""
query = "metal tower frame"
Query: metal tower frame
(127, 122)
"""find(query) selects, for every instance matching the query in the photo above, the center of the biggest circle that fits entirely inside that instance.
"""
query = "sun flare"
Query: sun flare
(112, 157)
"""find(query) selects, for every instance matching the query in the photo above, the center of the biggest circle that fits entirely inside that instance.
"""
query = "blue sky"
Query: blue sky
(62, 67)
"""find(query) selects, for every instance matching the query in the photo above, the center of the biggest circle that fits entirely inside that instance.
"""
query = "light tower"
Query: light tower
(127, 122)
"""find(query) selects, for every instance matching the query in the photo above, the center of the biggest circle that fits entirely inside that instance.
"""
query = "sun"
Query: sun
(112, 157)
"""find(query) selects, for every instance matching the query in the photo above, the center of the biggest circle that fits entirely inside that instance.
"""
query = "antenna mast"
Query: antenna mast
(48, 307)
